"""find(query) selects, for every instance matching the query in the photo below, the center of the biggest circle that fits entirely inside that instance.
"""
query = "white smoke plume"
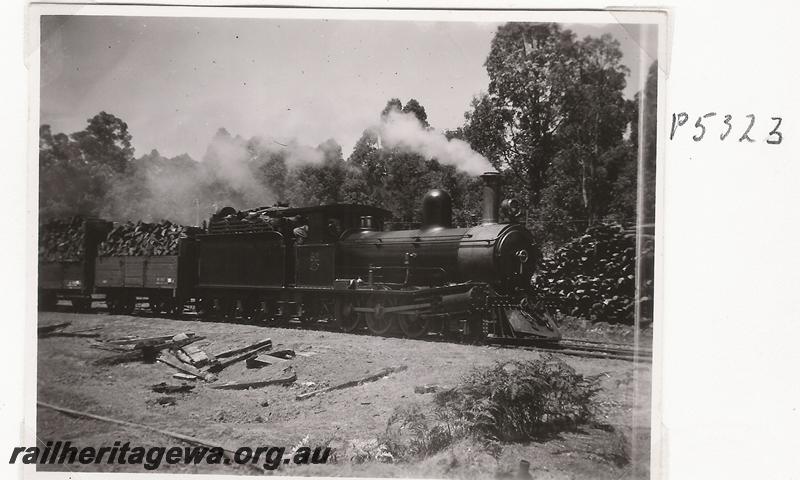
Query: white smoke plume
(294, 154)
(404, 131)
(227, 162)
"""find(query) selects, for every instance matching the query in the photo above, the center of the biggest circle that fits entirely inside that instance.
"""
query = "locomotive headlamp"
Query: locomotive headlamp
(522, 255)
(512, 208)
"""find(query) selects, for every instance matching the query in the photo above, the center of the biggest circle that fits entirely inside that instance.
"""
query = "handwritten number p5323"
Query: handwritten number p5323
(704, 125)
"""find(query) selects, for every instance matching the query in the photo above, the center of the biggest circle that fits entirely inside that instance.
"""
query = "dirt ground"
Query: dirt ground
(618, 446)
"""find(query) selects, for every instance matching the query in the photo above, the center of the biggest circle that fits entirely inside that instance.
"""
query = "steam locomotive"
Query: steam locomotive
(336, 263)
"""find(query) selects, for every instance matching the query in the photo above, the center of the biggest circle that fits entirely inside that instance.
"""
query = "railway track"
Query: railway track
(581, 348)
(565, 346)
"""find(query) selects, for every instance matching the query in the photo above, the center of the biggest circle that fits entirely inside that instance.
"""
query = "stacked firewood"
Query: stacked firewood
(256, 220)
(62, 240)
(594, 276)
(142, 238)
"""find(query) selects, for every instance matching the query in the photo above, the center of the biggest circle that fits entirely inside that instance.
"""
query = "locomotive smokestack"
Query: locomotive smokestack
(491, 197)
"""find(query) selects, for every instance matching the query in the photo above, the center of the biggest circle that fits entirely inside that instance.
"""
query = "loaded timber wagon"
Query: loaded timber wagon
(150, 261)
(67, 250)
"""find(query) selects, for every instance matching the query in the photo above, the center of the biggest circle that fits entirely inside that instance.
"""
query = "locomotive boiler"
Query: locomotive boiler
(438, 278)
(502, 255)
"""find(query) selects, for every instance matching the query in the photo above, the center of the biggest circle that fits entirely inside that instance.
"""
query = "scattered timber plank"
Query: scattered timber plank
(183, 357)
(234, 351)
(44, 330)
(285, 353)
(184, 376)
(238, 358)
(354, 383)
(164, 387)
(228, 452)
(176, 344)
(84, 330)
(161, 338)
(307, 354)
(145, 351)
(130, 356)
(262, 361)
(196, 356)
(173, 362)
(289, 379)
(110, 348)
(70, 334)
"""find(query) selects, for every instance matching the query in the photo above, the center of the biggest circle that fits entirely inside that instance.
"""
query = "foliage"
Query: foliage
(413, 432)
(360, 451)
(76, 171)
(522, 400)
(505, 402)
(105, 141)
(554, 122)
(319, 184)
(397, 180)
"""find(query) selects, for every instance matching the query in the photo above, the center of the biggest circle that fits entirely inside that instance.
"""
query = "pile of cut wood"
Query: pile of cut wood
(594, 276)
(192, 363)
(62, 240)
(142, 238)
(260, 219)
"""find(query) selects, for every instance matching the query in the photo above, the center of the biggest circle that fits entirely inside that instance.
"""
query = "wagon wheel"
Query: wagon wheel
(258, 313)
(253, 310)
(175, 306)
(127, 305)
(203, 306)
(378, 321)
(346, 317)
(316, 309)
(112, 304)
(81, 304)
(226, 308)
(158, 305)
(414, 326)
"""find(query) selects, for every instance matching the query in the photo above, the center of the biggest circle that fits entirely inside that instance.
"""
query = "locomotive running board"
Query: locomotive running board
(529, 323)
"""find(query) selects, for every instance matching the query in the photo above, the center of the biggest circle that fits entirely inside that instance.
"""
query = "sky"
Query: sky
(176, 81)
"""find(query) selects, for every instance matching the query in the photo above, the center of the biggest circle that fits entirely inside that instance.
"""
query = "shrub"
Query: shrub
(360, 451)
(413, 432)
(519, 400)
(508, 402)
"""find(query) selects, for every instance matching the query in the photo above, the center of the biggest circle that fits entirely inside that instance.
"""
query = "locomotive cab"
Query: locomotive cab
(315, 258)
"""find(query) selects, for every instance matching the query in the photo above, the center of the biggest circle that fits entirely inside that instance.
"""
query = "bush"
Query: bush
(413, 432)
(508, 402)
(360, 451)
(518, 400)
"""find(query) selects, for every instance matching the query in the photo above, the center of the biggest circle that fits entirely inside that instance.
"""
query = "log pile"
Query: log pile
(62, 240)
(594, 276)
(265, 219)
(140, 238)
